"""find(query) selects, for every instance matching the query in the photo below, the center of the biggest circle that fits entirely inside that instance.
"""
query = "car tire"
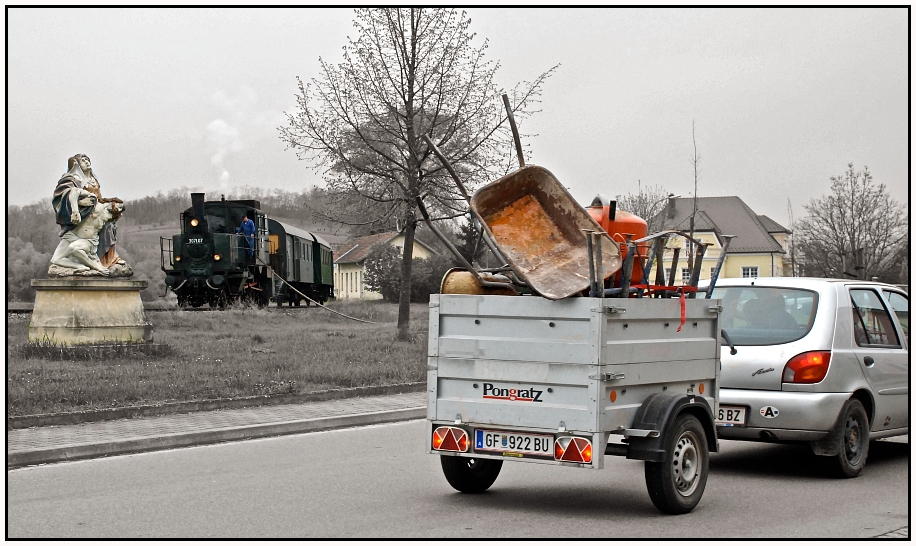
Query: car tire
(853, 429)
(676, 484)
(470, 474)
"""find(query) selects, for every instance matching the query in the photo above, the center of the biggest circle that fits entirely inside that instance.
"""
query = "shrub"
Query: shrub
(383, 274)
(23, 264)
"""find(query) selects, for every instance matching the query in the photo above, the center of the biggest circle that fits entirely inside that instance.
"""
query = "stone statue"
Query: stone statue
(78, 249)
(87, 225)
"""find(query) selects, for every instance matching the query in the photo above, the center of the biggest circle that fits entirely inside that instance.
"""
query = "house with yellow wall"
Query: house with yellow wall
(759, 248)
(350, 263)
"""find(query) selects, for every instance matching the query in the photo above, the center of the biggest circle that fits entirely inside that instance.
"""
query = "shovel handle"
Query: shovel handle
(518, 141)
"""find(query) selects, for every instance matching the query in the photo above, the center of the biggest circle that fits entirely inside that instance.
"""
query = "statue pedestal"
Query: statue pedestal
(87, 311)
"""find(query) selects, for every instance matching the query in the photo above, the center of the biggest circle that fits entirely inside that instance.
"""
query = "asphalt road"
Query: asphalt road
(378, 482)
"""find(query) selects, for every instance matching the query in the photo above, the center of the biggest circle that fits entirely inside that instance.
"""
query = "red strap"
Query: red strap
(682, 290)
(683, 310)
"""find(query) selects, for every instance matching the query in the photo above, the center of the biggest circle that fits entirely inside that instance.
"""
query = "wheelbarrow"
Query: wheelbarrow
(546, 238)
(544, 233)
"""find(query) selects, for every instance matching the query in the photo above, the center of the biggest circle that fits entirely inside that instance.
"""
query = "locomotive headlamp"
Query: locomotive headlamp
(177, 258)
(194, 222)
(216, 257)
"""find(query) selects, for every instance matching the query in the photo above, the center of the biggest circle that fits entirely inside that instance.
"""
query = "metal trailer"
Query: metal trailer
(566, 382)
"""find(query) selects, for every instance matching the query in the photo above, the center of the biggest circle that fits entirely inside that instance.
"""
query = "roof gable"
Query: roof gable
(771, 225)
(725, 216)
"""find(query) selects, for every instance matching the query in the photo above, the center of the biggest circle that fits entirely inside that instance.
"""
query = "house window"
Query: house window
(749, 272)
(685, 275)
(712, 272)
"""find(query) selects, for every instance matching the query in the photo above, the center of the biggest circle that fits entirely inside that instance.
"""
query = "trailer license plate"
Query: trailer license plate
(731, 416)
(513, 444)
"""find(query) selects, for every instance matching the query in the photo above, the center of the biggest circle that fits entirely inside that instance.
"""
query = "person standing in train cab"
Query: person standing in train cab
(247, 229)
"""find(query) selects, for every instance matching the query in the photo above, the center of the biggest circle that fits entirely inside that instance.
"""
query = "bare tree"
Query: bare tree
(647, 203)
(857, 231)
(410, 72)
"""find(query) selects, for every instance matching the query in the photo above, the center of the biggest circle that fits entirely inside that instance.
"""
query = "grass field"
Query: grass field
(229, 354)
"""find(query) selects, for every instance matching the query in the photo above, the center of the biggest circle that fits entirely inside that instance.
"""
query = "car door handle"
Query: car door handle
(869, 361)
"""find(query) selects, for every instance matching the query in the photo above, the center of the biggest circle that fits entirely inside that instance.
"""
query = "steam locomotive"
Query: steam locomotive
(208, 263)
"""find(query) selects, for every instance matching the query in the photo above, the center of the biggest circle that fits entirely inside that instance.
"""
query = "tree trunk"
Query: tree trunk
(406, 267)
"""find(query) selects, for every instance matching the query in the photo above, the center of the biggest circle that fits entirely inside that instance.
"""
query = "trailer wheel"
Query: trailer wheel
(676, 484)
(470, 474)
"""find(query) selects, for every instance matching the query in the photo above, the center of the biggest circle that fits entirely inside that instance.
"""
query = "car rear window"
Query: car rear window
(761, 315)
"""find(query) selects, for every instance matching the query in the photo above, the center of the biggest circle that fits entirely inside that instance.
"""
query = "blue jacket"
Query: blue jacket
(247, 228)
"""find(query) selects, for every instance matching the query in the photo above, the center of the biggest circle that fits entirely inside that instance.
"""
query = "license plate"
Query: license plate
(731, 416)
(513, 444)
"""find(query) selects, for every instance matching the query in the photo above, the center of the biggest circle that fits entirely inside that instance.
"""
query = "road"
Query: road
(378, 482)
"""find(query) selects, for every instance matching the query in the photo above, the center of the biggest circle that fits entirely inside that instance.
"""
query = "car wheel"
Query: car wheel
(850, 460)
(470, 474)
(676, 484)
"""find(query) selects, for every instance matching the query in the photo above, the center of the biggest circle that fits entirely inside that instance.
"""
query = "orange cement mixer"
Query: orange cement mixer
(618, 224)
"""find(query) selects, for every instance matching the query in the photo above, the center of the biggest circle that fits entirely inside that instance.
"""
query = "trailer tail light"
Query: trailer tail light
(451, 439)
(573, 450)
(810, 367)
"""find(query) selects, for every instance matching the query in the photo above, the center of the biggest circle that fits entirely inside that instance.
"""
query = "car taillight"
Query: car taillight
(450, 439)
(808, 367)
(576, 450)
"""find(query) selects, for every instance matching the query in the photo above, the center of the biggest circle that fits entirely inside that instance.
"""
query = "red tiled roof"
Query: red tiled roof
(357, 251)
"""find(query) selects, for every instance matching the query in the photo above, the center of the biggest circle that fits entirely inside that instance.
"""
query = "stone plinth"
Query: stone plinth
(80, 311)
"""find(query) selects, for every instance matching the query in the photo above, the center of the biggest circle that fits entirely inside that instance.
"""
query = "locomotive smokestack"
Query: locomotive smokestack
(197, 202)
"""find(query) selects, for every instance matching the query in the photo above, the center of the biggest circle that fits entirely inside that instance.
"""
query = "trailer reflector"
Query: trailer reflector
(451, 439)
(574, 450)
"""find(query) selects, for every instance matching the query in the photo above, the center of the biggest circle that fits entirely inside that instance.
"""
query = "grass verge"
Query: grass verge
(230, 354)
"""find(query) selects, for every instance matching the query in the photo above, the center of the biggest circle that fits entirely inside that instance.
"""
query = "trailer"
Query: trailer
(568, 382)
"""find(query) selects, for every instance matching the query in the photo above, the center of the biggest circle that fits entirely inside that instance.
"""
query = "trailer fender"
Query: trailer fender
(658, 412)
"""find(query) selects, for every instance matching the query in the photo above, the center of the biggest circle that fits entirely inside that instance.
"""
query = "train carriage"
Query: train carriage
(304, 260)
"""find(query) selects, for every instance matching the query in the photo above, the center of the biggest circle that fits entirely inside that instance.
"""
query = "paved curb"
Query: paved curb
(171, 441)
(74, 418)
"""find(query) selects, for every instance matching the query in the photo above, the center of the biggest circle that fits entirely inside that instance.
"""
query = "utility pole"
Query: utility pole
(792, 239)
(695, 160)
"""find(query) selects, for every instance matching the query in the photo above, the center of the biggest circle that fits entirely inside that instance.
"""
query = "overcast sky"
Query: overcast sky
(166, 98)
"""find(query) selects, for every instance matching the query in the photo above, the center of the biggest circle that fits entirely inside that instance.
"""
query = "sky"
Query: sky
(166, 98)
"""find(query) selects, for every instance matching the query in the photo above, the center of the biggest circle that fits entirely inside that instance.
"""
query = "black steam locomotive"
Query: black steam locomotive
(209, 263)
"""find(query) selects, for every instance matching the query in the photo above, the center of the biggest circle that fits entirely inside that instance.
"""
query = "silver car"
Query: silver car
(821, 361)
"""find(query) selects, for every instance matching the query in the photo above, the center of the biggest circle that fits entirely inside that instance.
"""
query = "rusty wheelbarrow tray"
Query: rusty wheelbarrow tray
(541, 231)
